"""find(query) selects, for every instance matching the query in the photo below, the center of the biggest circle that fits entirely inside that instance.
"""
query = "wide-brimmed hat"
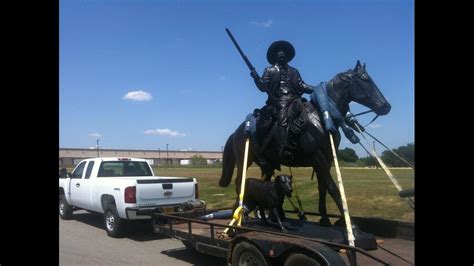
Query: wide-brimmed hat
(277, 46)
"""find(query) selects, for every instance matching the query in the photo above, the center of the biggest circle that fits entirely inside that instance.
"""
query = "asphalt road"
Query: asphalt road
(83, 240)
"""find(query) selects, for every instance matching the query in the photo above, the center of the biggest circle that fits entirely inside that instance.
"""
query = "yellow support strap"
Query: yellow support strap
(238, 213)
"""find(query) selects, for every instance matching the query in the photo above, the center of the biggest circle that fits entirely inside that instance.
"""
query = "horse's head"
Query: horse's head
(363, 90)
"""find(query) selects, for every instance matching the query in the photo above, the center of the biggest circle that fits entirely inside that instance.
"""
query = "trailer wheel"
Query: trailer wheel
(245, 253)
(329, 257)
(300, 259)
(114, 225)
(65, 210)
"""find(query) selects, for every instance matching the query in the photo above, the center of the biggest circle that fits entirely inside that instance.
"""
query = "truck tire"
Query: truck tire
(330, 258)
(65, 210)
(245, 253)
(113, 224)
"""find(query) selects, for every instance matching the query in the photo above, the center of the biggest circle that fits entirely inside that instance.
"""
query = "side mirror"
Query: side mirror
(63, 173)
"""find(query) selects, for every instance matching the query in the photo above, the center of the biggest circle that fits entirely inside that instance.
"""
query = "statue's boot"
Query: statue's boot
(285, 150)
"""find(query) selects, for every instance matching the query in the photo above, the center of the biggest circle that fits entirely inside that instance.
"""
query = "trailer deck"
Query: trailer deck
(389, 247)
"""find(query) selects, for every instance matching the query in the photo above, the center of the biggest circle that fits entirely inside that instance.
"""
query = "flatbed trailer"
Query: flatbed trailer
(378, 242)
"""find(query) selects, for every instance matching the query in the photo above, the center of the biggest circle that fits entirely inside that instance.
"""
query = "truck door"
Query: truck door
(81, 187)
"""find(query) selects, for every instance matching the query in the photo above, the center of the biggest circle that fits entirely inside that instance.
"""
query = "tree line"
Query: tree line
(407, 152)
(348, 157)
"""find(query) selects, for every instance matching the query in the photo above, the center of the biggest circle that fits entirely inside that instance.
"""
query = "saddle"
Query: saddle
(263, 124)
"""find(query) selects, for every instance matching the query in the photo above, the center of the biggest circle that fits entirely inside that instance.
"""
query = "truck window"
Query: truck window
(124, 168)
(77, 173)
(89, 169)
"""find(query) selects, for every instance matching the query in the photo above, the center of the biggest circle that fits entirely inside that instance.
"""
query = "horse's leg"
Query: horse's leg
(332, 189)
(323, 166)
(267, 173)
(322, 188)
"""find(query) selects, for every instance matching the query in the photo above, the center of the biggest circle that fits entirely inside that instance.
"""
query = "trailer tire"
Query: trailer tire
(245, 253)
(331, 258)
(65, 210)
(300, 259)
(113, 224)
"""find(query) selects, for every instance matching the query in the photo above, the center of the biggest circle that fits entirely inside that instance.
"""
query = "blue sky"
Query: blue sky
(142, 74)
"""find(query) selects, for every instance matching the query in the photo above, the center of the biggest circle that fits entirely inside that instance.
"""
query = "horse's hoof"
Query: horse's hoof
(324, 221)
(302, 216)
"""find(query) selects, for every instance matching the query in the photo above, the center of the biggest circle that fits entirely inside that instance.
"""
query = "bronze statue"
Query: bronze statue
(312, 147)
(300, 120)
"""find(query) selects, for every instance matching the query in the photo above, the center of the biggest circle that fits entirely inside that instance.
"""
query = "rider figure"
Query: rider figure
(284, 86)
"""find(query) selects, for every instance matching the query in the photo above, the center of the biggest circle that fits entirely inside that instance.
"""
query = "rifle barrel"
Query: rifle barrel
(250, 66)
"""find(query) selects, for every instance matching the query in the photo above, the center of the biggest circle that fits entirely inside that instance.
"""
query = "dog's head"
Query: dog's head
(285, 183)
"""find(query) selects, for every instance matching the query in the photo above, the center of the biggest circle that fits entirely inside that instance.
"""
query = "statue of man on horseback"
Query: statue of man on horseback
(284, 87)
(305, 123)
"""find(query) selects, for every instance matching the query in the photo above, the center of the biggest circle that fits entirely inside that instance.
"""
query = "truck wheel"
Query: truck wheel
(114, 225)
(245, 253)
(65, 210)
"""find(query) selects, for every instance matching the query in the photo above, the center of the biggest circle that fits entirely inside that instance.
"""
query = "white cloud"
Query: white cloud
(187, 149)
(95, 135)
(164, 132)
(375, 125)
(138, 96)
(265, 24)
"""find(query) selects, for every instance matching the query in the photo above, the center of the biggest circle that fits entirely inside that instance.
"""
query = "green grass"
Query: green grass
(369, 192)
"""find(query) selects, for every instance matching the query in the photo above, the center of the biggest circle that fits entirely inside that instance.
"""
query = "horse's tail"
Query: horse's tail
(228, 163)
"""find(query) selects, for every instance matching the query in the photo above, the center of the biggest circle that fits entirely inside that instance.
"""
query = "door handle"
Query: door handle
(78, 185)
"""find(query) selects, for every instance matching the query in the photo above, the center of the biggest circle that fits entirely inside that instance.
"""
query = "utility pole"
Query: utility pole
(167, 154)
(159, 155)
(98, 148)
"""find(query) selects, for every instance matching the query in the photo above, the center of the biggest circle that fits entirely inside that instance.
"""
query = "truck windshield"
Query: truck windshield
(124, 168)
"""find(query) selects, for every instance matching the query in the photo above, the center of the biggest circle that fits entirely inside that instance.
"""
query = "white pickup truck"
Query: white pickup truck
(122, 189)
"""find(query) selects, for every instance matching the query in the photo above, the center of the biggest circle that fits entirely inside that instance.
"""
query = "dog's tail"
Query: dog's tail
(228, 163)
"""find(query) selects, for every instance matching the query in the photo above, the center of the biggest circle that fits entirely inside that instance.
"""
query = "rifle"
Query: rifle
(250, 66)
(240, 51)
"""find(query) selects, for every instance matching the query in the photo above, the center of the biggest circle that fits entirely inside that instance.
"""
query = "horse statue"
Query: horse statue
(313, 145)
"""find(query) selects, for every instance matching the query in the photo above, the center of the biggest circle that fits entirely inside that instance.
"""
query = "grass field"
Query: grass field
(369, 192)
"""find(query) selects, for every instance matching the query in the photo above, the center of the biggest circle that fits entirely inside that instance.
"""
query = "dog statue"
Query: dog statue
(268, 195)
